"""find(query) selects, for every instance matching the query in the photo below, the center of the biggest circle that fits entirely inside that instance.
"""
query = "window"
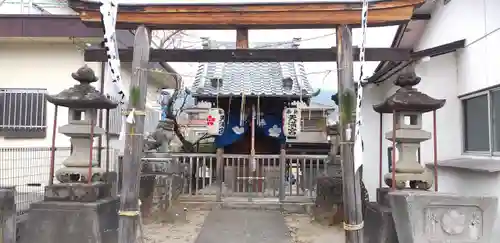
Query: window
(23, 113)
(313, 121)
(495, 116)
(116, 118)
(481, 116)
(198, 116)
(151, 120)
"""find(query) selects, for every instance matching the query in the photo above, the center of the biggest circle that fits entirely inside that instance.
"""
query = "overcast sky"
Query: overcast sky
(376, 37)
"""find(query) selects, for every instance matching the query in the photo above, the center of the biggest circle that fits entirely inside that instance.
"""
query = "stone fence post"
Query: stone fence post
(7, 215)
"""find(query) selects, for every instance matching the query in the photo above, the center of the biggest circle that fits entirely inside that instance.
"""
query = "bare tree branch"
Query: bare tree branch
(181, 108)
(196, 144)
(167, 39)
(205, 136)
(186, 145)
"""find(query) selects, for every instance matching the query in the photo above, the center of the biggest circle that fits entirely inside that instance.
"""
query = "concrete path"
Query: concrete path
(244, 226)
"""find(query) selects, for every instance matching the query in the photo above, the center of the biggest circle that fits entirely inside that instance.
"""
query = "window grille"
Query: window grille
(23, 113)
(313, 122)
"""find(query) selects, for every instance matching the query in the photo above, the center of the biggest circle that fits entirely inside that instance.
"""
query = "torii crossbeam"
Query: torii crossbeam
(198, 14)
(194, 14)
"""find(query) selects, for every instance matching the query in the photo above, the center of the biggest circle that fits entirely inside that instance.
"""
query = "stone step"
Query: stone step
(243, 203)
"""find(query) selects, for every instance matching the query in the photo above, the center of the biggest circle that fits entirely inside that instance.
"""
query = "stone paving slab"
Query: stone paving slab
(24, 200)
(244, 226)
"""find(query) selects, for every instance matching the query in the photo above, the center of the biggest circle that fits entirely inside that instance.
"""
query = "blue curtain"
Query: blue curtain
(271, 125)
(335, 98)
(232, 132)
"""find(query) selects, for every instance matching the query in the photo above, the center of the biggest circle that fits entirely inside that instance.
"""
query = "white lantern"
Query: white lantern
(291, 122)
(215, 121)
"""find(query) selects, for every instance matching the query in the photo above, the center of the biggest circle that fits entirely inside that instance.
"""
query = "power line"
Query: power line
(274, 44)
(296, 41)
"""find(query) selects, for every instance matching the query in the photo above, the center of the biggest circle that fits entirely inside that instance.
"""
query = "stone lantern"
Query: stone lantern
(83, 101)
(414, 216)
(69, 206)
(407, 105)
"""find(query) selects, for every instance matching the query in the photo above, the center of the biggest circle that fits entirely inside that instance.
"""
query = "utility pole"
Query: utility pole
(353, 214)
(129, 197)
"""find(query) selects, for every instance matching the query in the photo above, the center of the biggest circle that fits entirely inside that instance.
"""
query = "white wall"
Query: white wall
(470, 69)
(41, 65)
(439, 80)
(48, 64)
(446, 77)
(373, 94)
(478, 22)
(24, 7)
(31, 64)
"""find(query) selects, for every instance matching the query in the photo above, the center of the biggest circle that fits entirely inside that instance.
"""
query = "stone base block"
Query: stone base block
(433, 217)
(383, 196)
(7, 200)
(79, 174)
(111, 178)
(75, 222)
(7, 215)
(379, 226)
(328, 209)
(77, 192)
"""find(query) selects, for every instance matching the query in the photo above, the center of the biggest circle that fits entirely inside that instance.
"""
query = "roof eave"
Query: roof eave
(422, 13)
(395, 68)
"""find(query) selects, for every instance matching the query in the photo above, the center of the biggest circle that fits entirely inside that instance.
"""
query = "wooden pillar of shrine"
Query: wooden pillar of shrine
(353, 216)
(129, 197)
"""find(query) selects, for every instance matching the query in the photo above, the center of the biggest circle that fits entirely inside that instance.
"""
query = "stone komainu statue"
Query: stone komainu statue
(160, 139)
(328, 208)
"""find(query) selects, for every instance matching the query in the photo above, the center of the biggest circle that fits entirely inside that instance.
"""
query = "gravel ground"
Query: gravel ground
(178, 232)
(304, 230)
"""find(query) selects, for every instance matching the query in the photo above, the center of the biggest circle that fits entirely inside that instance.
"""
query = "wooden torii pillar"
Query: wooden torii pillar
(200, 15)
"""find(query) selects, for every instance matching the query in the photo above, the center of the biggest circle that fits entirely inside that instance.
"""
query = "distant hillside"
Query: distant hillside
(324, 97)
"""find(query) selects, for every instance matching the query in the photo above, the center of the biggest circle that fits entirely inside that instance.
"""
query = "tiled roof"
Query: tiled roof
(251, 78)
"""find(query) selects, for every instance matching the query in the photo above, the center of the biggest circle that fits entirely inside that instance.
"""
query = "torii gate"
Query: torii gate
(191, 14)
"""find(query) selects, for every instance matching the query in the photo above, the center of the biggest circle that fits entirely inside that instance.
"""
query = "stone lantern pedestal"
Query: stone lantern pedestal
(80, 209)
(79, 130)
(408, 135)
